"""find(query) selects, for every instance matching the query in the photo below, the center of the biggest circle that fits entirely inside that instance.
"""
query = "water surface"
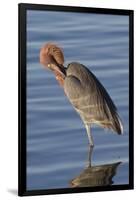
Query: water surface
(57, 144)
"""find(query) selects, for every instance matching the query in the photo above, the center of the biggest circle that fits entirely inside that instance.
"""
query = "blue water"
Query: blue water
(57, 143)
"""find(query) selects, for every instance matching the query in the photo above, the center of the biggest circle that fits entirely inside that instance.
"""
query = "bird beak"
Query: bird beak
(59, 69)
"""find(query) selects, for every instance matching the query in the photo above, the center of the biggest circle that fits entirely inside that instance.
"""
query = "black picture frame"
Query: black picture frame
(22, 9)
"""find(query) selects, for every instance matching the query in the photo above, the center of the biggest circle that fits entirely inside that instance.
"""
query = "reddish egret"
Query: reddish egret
(85, 92)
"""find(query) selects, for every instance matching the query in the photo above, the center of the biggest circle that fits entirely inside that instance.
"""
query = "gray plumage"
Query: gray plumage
(83, 89)
(90, 99)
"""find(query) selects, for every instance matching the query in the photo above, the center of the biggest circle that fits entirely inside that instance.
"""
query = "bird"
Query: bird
(85, 92)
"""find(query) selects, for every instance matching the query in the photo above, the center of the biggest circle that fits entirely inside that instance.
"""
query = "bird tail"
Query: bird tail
(117, 124)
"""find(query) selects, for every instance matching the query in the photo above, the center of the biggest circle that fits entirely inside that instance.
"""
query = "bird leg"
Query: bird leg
(91, 142)
(90, 151)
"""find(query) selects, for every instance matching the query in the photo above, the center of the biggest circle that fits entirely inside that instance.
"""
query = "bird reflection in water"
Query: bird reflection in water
(100, 175)
(91, 100)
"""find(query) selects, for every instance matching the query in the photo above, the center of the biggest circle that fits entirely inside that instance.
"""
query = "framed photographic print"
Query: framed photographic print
(75, 99)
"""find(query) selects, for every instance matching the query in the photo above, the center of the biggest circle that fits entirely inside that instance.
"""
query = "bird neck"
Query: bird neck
(60, 74)
(59, 78)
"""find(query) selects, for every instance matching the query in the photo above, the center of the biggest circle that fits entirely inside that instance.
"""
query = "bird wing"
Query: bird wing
(90, 99)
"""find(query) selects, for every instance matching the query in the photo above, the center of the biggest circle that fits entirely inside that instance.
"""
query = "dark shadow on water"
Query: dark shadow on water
(100, 175)
(13, 192)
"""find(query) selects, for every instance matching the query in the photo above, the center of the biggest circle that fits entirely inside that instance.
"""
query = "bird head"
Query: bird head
(51, 56)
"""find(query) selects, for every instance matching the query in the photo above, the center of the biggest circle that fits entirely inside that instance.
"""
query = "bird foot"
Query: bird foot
(91, 145)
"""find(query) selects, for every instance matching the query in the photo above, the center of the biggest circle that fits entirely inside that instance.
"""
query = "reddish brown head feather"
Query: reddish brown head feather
(50, 53)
